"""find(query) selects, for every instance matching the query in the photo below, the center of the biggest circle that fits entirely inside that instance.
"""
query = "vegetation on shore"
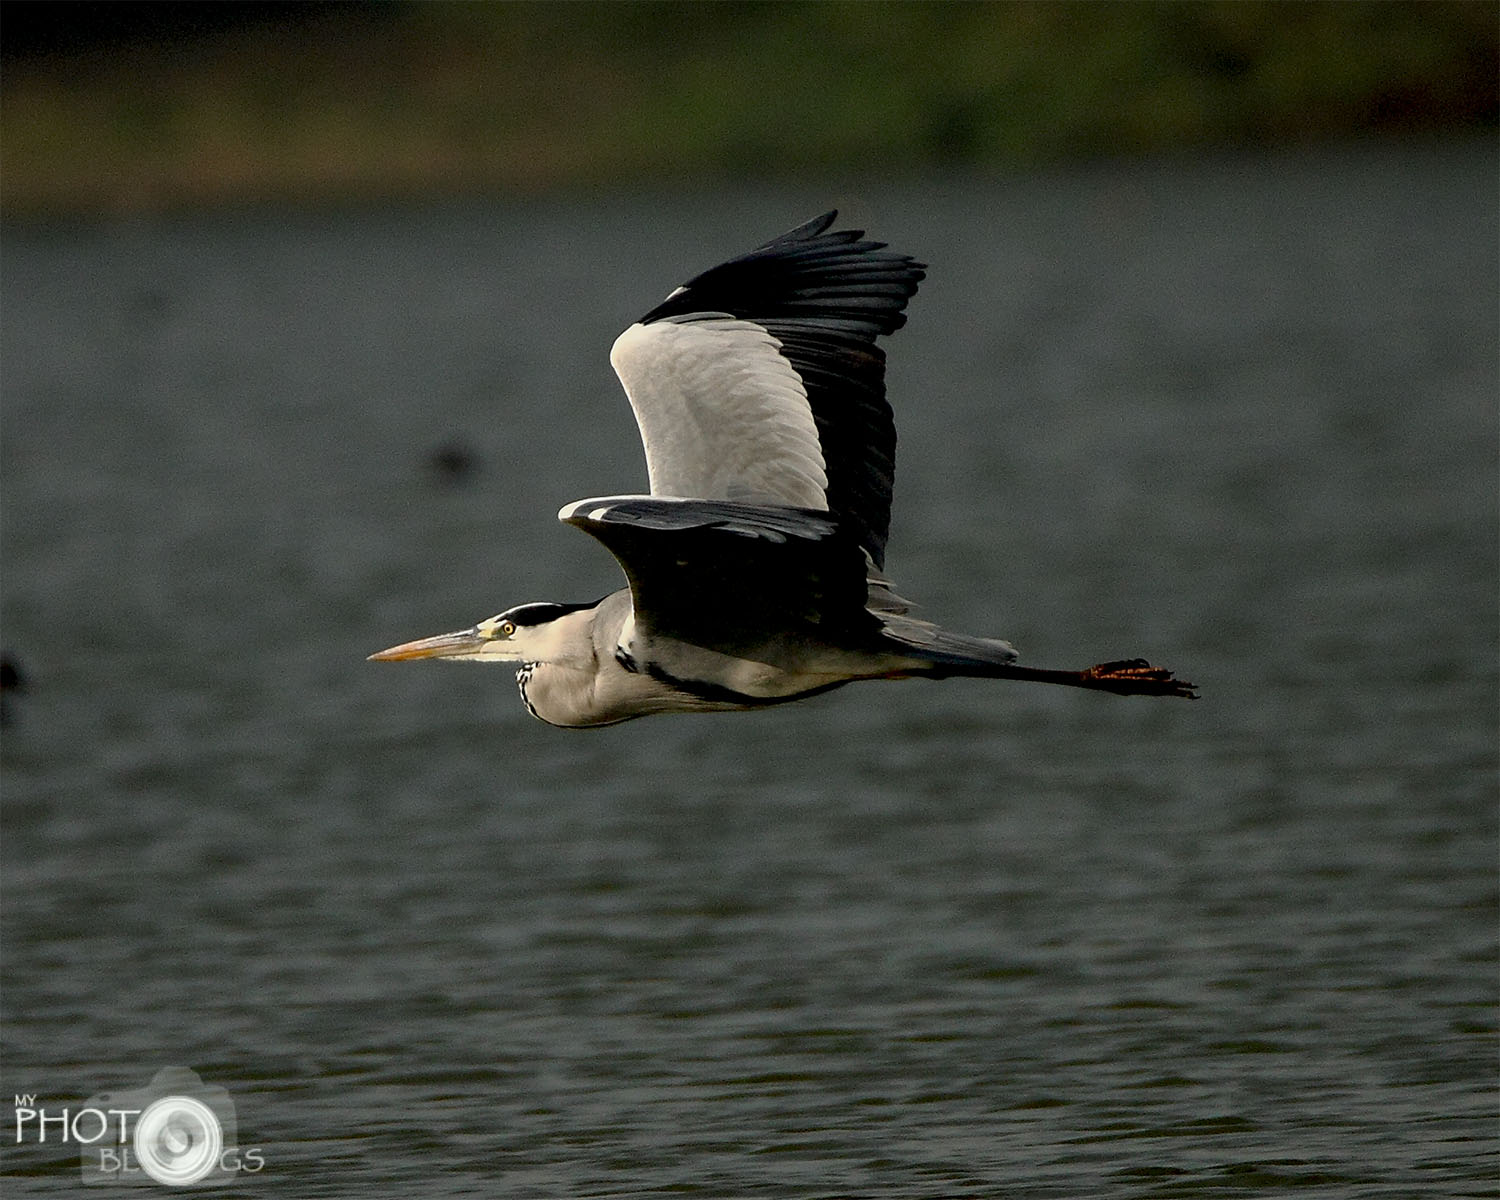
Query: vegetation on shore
(337, 102)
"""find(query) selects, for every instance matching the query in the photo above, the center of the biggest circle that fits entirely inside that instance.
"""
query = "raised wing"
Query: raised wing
(759, 381)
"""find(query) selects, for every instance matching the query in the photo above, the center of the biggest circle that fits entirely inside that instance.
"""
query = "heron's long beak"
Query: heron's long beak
(463, 644)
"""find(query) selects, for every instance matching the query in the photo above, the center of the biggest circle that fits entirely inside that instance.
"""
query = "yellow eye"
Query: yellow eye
(506, 629)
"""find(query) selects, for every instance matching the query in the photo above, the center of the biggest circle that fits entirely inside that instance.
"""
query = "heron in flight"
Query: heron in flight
(755, 565)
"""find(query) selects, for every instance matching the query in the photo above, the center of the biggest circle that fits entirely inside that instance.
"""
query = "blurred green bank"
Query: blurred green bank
(156, 107)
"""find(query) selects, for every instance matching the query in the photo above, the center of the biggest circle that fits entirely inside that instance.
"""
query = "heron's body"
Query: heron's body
(595, 667)
(755, 564)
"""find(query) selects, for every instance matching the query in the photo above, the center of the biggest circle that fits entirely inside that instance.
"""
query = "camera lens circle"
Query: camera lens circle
(178, 1140)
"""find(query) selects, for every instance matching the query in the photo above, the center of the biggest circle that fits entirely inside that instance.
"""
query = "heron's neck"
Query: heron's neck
(557, 680)
(576, 675)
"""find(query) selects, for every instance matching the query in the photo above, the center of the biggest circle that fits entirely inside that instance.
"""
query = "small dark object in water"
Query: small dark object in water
(12, 680)
(453, 461)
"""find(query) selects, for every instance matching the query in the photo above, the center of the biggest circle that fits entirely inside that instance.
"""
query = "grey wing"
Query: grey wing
(760, 381)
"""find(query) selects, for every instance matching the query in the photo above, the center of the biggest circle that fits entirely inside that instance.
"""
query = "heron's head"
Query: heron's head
(526, 633)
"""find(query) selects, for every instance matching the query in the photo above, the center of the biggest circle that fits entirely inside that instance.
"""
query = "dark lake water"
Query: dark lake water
(910, 940)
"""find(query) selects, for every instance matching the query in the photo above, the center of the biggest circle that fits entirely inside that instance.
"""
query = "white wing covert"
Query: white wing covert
(722, 414)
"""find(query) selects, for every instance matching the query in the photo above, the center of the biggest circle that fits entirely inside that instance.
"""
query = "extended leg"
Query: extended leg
(1126, 677)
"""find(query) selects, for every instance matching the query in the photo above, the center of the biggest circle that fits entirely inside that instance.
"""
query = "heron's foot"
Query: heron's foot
(1137, 677)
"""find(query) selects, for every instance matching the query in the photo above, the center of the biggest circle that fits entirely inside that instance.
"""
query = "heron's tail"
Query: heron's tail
(955, 654)
(948, 653)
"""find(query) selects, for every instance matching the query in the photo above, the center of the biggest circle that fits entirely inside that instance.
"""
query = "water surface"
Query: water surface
(914, 940)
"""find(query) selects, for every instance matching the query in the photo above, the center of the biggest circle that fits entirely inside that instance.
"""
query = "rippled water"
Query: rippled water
(910, 940)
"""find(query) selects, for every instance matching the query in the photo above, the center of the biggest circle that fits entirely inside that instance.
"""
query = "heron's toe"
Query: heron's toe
(1137, 677)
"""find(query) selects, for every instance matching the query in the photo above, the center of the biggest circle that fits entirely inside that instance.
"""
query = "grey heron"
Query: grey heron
(755, 565)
